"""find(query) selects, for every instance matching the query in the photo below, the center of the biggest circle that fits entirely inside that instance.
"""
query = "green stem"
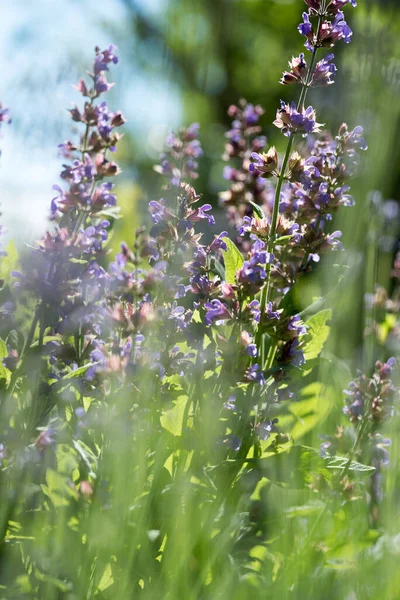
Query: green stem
(356, 444)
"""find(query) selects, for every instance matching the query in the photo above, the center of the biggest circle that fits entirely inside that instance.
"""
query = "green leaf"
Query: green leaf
(219, 270)
(78, 372)
(172, 420)
(340, 462)
(295, 468)
(58, 489)
(233, 260)
(4, 372)
(78, 261)
(305, 510)
(63, 586)
(282, 239)
(257, 210)
(315, 403)
(318, 332)
(87, 455)
(107, 578)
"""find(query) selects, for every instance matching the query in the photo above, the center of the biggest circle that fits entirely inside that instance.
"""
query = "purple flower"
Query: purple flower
(104, 58)
(303, 170)
(230, 404)
(252, 274)
(290, 120)
(324, 70)
(337, 5)
(352, 139)
(306, 28)
(254, 374)
(232, 441)
(298, 71)
(159, 213)
(94, 236)
(272, 314)
(101, 84)
(79, 171)
(251, 114)
(180, 316)
(218, 242)
(251, 350)
(192, 132)
(333, 6)
(333, 241)
(5, 116)
(102, 197)
(355, 408)
(253, 309)
(386, 369)
(296, 324)
(295, 353)
(201, 213)
(216, 311)
(265, 164)
(331, 32)
(178, 161)
(376, 393)
(265, 428)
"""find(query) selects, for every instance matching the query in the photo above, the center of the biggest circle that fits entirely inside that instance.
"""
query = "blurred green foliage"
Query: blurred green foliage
(109, 540)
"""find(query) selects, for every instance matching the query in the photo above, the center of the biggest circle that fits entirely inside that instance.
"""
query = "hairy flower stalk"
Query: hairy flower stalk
(306, 80)
(64, 273)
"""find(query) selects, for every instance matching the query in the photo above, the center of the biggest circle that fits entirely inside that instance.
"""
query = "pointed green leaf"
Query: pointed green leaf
(233, 260)
(318, 332)
(172, 420)
(257, 210)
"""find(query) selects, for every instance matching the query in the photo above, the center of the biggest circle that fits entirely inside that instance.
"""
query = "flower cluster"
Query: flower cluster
(372, 397)
(188, 335)
(64, 270)
(331, 26)
(299, 73)
(179, 163)
(243, 143)
(290, 120)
